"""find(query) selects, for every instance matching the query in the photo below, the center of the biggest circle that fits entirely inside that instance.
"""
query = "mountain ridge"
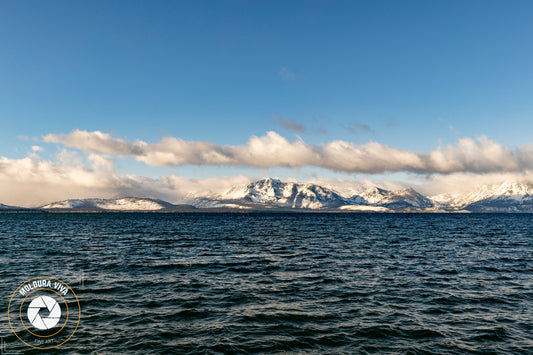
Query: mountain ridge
(274, 194)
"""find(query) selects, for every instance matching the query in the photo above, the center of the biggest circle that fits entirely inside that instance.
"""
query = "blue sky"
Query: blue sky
(412, 75)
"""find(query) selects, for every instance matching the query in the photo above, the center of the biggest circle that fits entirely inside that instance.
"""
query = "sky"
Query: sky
(171, 99)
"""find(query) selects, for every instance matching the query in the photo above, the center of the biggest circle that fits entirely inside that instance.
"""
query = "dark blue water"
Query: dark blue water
(281, 283)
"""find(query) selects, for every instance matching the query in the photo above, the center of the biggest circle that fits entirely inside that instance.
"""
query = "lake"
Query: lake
(152, 283)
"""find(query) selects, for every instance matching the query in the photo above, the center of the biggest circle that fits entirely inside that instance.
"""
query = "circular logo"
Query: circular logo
(54, 312)
(44, 312)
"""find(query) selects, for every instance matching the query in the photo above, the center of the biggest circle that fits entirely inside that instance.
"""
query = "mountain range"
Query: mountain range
(273, 194)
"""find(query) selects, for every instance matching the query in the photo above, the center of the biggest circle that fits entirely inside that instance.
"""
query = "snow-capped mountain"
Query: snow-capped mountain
(272, 194)
(407, 198)
(275, 193)
(505, 197)
(121, 204)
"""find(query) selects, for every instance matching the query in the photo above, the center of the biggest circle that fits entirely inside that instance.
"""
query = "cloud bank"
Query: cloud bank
(30, 182)
(481, 155)
(462, 167)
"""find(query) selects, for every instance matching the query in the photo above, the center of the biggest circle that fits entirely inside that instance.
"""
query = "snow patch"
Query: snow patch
(364, 208)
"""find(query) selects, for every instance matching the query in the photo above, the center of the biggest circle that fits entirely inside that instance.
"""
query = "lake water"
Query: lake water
(280, 283)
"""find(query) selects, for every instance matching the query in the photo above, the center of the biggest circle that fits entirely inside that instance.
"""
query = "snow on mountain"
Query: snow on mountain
(273, 192)
(407, 198)
(270, 193)
(364, 208)
(374, 195)
(207, 203)
(507, 197)
(121, 204)
(507, 193)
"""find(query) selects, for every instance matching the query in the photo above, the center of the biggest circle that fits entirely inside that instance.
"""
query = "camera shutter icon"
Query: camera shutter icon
(36, 312)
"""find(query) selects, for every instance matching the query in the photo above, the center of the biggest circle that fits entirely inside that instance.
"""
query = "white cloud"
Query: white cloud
(272, 150)
(481, 156)
(95, 142)
(30, 182)
(69, 157)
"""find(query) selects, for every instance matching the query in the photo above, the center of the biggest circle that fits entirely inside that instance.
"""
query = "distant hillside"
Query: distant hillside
(121, 204)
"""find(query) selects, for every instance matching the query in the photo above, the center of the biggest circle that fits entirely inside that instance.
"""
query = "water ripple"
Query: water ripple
(282, 283)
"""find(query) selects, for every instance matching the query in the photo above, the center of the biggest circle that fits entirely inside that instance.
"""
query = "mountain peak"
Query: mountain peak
(374, 194)
(376, 190)
(274, 192)
(269, 181)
